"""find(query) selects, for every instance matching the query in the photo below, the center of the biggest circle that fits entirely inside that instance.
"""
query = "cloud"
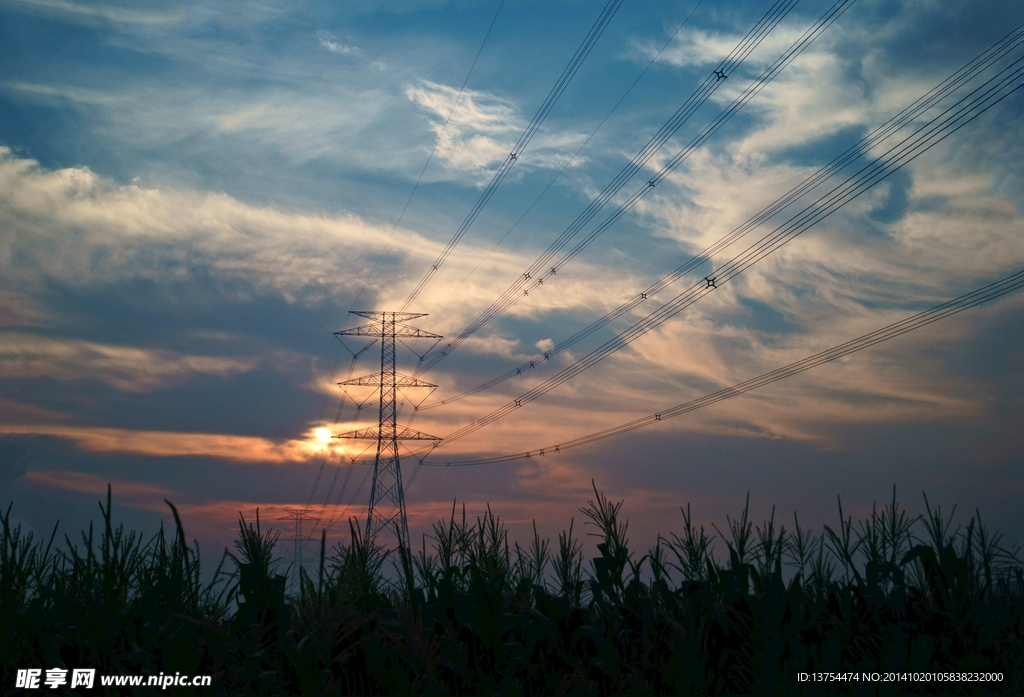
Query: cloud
(329, 43)
(15, 412)
(84, 482)
(483, 128)
(353, 123)
(700, 47)
(810, 100)
(16, 309)
(13, 462)
(339, 48)
(54, 93)
(125, 368)
(91, 13)
(479, 132)
(74, 225)
(233, 448)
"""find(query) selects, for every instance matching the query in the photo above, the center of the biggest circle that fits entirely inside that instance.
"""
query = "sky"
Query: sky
(194, 195)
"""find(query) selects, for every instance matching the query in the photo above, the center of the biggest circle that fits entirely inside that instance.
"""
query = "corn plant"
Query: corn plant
(692, 551)
(568, 567)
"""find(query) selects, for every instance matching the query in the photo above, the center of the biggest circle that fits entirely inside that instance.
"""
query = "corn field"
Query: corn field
(473, 614)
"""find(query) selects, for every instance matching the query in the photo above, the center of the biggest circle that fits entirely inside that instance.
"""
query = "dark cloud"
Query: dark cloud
(13, 461)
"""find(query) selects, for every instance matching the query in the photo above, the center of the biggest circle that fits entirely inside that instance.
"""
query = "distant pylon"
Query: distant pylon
(387, 500)
(298, 516)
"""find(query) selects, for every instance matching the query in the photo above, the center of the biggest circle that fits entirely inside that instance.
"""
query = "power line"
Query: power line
(540, 270)
(952, 119)
(336, 516)
(907, 116)
(338, 469)
(571, 159)
(431, 155)
(326, 451)
(939, 312)
(524, 140)
(926, 137)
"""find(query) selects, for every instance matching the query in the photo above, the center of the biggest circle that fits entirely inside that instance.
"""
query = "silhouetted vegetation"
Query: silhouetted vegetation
(473, 614)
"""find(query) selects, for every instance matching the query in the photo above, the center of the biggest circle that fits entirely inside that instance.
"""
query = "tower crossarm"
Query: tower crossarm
(401, 433)
(368, 433)
(400, 381)
(401, 332)
(378, 315)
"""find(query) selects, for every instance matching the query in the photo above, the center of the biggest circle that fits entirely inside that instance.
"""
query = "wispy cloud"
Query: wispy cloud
(167, 235)
(151, 233)
(480, 131)
(16, 412)
(811, 99)
(337, 47)
(80, 12)
(700, 47)
(233, 448)
(84, 482)
(483, 128)
(26, 357)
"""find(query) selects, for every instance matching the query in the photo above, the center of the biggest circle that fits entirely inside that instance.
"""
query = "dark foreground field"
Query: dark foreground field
(887, 605)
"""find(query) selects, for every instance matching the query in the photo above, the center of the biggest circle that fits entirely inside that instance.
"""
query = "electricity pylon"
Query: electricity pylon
(387, 500)
(297, 516)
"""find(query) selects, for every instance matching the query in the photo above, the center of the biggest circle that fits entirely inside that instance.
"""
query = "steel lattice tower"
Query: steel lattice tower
(387, 500)
(298, 516)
